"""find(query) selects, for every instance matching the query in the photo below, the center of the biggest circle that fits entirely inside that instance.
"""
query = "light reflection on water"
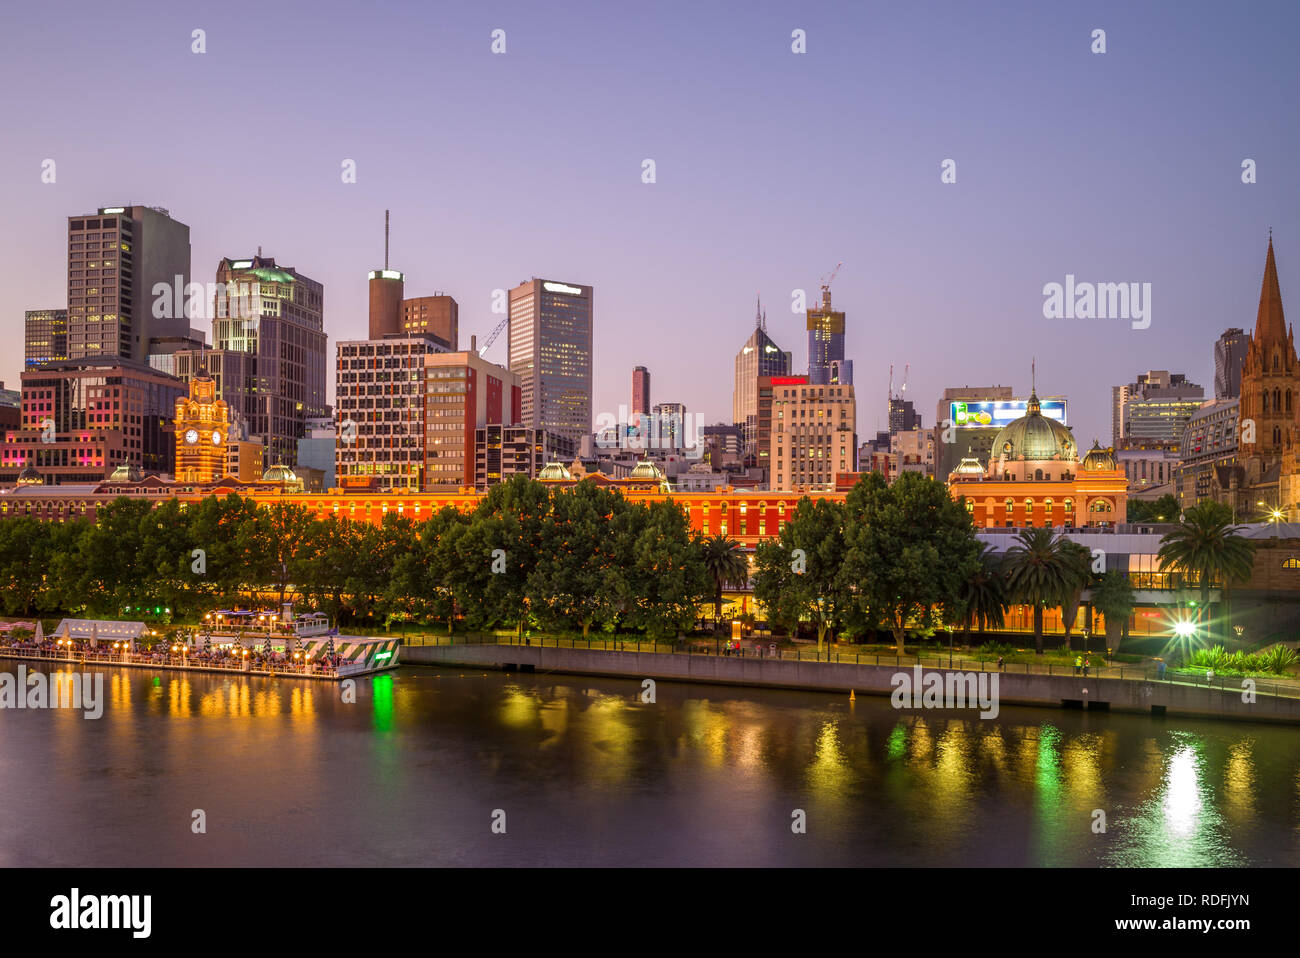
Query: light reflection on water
(409, 774)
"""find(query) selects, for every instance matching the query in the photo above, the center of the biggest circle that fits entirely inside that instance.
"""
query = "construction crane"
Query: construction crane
(492, 336)
(826, 285)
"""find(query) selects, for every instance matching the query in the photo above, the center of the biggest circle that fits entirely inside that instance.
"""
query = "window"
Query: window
(1291, 563)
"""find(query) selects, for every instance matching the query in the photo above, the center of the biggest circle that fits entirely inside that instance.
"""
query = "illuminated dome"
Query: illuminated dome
(1034, 438)
(969, 467)
(645, 469)
(279, 473)
(126, 472)
(30, 477)
(1099, 459)
(554, 470)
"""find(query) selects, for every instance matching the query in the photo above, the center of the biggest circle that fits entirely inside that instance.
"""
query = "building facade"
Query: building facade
(825, 339)
(463, 392)
(814, 435)
(128, 273)
(1152, 412)
(550, 349)
(202, 428)
(437, 316)
(759, 357)
(45, 337)
(1229, 356)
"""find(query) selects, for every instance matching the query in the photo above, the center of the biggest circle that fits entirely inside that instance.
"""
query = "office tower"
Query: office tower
(268, 351)
(668, 428)
(84, 417)
(1229, 354)
(503, 451)
(1209, 441)
(841, 372)
(903, 416)
(758, 357)
(640, 391)
(379, 412)
(437, 316)
(959, 424)
(1152, 412)
(462, 393)
(814, 435)
(550, 342)
(128, 269)
(45, 337)
(825, 339)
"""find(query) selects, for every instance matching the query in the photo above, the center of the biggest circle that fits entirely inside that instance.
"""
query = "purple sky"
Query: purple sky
(772, 167)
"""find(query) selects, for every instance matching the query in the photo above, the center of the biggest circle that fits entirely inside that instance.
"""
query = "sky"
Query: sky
(770, 168)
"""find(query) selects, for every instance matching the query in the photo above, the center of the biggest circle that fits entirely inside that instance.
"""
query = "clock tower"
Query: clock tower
(202, 426)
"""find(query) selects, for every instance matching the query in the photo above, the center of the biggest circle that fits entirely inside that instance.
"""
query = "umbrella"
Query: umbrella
(40, 632)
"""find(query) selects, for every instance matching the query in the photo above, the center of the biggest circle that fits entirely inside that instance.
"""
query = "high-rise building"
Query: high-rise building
(128, 269)
(45, 337)
(814, 435)
(758, 357)
(825, 339)
(670, 425)
(1209, 441)
(550, 337)
(1153, 412)
(1229, 354)
(268, 356)
(437, 316)
(903, 416)
(202, 429)
(84, 417)
(462, 392)
(379, 412)
(316, 450)
(640, 391)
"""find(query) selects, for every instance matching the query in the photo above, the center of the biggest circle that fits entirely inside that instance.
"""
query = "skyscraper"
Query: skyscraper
(268, 356)
(825, 339)
(437, 316)
(640, 391)
(1153, 412)
(45, 337)
(760, 356)
(128, 268)
(550, 342)
(1229, 354)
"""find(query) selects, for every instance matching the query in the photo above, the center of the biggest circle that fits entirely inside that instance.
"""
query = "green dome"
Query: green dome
(126, 472)
(645, 469)
(1034, 437)
(1099, 459)
(279, 473)
(554, 470)
(969, 466)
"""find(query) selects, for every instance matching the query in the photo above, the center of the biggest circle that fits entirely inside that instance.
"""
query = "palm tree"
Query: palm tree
(1040, 572)
(1079, 558)
(1113, 597)
(984, 594)
(1204, 548)
(725, 561)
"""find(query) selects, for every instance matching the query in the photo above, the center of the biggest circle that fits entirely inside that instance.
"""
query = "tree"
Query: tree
(281, 535)
(1041, 571)
(1205, 548)
(801, 576)
(1164, 509)
(984, 593)
(1079, 568)
(909, 548)
(1114, 598)
(725, 561)
(576, 580)
(664, 580)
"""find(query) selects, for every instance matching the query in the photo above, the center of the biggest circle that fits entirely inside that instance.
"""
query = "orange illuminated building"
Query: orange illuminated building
(202, 431)
(1034, 478)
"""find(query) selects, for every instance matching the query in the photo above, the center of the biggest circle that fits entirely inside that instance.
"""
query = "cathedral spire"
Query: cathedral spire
(1270, 324)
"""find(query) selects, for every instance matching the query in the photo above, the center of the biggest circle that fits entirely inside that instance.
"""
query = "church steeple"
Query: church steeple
(1270, 324)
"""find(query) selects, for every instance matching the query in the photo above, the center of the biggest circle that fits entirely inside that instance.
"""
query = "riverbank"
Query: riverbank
(1109, 690)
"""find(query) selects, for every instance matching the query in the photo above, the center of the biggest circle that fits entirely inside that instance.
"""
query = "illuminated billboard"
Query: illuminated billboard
(996, 414)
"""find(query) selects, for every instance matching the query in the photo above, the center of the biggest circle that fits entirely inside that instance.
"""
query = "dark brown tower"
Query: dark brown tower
(1270, 379)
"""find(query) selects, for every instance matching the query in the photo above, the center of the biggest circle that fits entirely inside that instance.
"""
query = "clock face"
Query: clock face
(216, 438)
(192, 436)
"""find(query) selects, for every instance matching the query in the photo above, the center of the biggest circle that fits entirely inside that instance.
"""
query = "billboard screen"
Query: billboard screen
(996, 414)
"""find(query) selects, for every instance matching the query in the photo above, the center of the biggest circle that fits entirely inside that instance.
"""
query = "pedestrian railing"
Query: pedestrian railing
(1143, 673)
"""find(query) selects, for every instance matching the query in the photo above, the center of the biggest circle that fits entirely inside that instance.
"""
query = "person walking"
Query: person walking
(1078, 663)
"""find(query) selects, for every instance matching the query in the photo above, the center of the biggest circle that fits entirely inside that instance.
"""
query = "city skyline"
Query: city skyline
(946, 277)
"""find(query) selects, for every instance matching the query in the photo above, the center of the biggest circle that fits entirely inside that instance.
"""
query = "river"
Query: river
(578, 771)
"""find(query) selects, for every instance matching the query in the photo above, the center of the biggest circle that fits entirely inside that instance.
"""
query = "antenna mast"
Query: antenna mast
(385, 239)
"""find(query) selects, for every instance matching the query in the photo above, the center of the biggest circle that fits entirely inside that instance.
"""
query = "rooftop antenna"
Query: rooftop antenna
(385, 239)
(1033, 376)
(759, 319)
